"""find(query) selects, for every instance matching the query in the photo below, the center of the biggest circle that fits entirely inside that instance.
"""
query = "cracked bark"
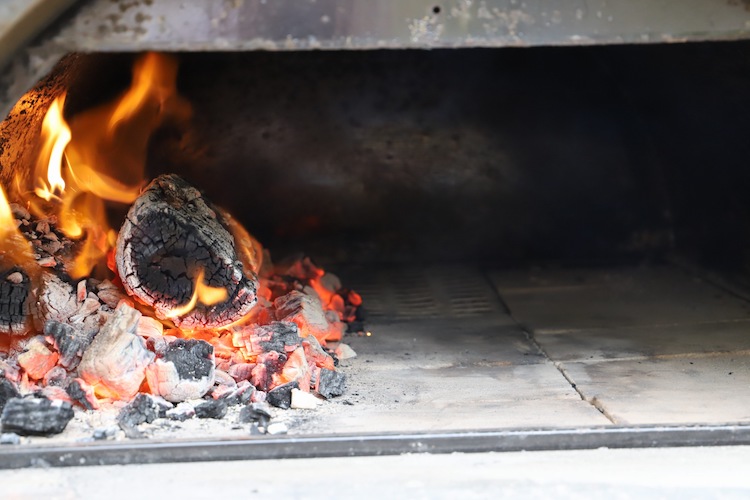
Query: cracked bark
(171, 234)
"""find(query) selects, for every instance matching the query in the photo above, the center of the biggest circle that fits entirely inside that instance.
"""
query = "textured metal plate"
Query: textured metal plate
(14, 457)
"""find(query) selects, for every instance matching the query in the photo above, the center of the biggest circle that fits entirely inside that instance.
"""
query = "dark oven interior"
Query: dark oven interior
(543, 237)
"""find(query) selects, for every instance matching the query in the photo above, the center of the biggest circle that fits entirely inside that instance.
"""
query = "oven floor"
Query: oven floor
(459, 348)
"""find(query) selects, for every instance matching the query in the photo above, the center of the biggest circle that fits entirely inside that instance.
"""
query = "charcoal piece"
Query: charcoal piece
(15, 287)
(268, 364)
(181, 412)
(239, 395)
(171, 234)
(192, 358)
(283, 334)
(36, 416)
(305, 311)
(56, 377)
(184, 370)
(10, 438)
(162, 406)
(78, 392)
(255, 412)
(331, 383)
(214, 408)
(69, 341)
(104, 433)
(142, 409)
(281, 396)
(8, 391)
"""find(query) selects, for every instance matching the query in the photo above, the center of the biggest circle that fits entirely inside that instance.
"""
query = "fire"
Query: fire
(55, 136)
(100, 156)
(13, 246)
(205, 294)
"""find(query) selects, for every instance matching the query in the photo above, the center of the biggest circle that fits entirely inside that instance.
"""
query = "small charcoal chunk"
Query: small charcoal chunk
(14, 310)
(70, 342)
(142, 409)
(104, 433)
(331, 383)
(10, 438)
(181, 412)
(255, 412)
(36, 416)
(79, 395)
(192, 358)
(283, 334)
(7, 392)
(281, 396)
(214, 408)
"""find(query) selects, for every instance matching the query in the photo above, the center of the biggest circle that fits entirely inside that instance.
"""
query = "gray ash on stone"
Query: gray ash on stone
(192, 358)
(36, 416)
(214, 408)
(281, 396)
(70, 342)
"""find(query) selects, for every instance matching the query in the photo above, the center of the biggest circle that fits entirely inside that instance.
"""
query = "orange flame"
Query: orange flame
(101, 155)
(13, 246)
(207, 295)
(55, 137)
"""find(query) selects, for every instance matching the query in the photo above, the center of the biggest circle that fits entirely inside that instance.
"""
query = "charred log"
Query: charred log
(170, 236)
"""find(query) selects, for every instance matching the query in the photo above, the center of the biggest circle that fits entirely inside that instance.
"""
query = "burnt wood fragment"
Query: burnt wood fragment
(36, 416)
(181, 412)
(15, 287)
(171, 234)
(281, 396)
(70, 342)
(214, 408)
(255, 412)
(8, 391)
(331, 383)
(143, 409)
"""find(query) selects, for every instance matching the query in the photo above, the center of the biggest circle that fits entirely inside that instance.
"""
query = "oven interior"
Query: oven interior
(543, 237)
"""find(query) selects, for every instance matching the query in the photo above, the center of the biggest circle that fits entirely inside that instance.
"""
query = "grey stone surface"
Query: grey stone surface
(558, 300)
(642, 473)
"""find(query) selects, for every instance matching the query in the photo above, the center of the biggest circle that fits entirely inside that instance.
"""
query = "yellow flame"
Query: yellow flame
(205, 294)
(13, 245)
(55, 137)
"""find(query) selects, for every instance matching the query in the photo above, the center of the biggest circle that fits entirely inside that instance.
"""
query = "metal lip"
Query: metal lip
(379, 444)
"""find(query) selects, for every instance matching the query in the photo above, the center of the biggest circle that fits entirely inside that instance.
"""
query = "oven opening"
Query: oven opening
(541, 238)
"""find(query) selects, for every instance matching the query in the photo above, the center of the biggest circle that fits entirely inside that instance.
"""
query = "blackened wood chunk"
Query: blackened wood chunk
(256, 412)
(192, 358)
(181, 412)
(36, 416)
(142, 409)
(283, 334)
(170, 235)
(281, 396)
(70, 342)
(79, 395)
(215, 408)
(14, 304)
(8, 391)
(331, 383)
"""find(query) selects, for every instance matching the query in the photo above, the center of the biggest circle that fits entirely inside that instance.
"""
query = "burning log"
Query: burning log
(172, 238)
(37, 416)
(185, 370)
(115, 362)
